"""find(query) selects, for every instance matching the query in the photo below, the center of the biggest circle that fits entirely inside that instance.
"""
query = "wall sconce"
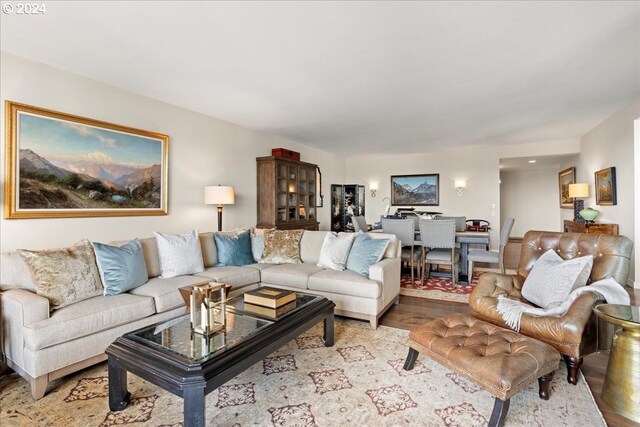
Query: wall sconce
(460, 184)
(373, 187)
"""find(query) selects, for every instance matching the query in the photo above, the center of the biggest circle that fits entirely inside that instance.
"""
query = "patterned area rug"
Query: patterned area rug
(357, 382)
(438, 288)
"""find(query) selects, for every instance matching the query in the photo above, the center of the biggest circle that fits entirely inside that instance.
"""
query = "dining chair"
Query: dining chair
(359, 223)
(438, 238)
(404, 229)
(492, 257)
(461, 221)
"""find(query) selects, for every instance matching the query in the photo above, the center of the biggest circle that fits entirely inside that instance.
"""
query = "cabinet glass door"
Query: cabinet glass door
(282, 191)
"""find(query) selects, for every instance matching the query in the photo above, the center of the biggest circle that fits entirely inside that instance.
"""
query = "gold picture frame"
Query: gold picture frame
(566, 177)
(59, 165)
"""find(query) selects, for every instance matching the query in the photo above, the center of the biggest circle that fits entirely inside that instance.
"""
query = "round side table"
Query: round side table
(622, 382)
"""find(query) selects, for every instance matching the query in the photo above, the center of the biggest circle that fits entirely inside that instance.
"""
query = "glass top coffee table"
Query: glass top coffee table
(191, 365)
(622, 381)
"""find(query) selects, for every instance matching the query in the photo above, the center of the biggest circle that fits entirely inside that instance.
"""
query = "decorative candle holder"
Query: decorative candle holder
(209, 301)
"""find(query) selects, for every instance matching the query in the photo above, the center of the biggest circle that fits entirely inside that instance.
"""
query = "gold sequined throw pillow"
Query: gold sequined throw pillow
(281, 247)
(64, 276)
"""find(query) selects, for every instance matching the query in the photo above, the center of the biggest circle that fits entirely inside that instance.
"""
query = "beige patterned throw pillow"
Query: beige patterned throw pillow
(281, 247)
(64, 276)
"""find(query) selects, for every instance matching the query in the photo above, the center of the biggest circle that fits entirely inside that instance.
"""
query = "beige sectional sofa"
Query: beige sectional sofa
(42, 346)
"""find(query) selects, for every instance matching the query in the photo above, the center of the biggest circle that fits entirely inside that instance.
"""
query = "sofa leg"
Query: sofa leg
(38, 386)
(573, 364)
(397, 301)
(373, 320)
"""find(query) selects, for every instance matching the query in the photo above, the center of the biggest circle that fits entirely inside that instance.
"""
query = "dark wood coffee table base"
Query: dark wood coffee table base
(193, 381)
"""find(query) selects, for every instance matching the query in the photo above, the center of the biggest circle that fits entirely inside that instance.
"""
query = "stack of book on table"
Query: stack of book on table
(269, 302)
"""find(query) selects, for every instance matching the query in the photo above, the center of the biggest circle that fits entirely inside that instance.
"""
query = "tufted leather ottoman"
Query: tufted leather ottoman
(500, 360)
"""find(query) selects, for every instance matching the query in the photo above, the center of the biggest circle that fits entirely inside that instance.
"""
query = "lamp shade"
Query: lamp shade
(579, 190)
(460, 183)
(219, 195)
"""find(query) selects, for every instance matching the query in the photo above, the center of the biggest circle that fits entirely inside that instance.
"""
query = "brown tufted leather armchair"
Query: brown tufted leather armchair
(578, 332)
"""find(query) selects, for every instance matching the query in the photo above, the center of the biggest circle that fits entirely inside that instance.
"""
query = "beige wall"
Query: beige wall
(202, 151)
(478, 165)
(531, 197)
(612, 144)
(636, 156)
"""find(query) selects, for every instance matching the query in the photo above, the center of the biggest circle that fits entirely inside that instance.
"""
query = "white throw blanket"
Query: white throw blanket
(512, 310)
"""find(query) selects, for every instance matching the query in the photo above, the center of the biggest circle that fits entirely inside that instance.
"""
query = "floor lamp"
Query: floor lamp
(219, 195)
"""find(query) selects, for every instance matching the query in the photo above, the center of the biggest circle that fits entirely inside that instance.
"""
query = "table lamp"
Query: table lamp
(219, 195)
(577, 192)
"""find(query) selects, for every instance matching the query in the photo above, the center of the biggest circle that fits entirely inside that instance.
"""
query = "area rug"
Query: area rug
(438, 288)
(357, 382)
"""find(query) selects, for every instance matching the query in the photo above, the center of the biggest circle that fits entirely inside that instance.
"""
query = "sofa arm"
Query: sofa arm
(567, 329)
(490, 286)
(387, 272)
(563, 332)
(19, 309)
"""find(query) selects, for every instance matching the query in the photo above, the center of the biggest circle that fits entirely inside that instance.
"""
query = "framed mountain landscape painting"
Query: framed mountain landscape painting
(58, 165)
(415, 190)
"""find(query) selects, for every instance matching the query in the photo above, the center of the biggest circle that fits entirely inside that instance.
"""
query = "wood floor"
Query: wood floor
(412, 312)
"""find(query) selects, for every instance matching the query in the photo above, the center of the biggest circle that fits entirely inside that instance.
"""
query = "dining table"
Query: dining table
(464, 238)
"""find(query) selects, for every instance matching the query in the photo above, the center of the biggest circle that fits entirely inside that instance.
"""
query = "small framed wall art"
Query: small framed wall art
(606, 187)
(566, 177)
(60, 166)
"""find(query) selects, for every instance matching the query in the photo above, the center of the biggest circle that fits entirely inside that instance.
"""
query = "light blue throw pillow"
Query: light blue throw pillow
(122, 268)
(257, 246)
(365, 252)
(234, 250)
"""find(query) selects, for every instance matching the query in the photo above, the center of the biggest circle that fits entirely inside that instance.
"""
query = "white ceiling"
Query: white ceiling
(541, 162)
(349, 77)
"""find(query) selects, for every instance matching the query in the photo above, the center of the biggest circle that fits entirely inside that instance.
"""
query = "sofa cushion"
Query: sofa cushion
(234, 250)
(261, 267)
(365, 252)
(335, 251)
(346, 283)
(64, 276)
(208, 247)
(165, 292)
(282, 247)
(152, 259)
(310, 246)
(14, 273)
(179, 253)
(122, 268)
(87, 317)
(296, 275)
(232, 275)
(150, 252)
(393, 249)
(257, 246)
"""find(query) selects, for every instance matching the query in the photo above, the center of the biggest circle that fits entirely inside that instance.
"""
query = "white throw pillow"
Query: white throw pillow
(552, 279)
(335, 251)
(179, 254)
